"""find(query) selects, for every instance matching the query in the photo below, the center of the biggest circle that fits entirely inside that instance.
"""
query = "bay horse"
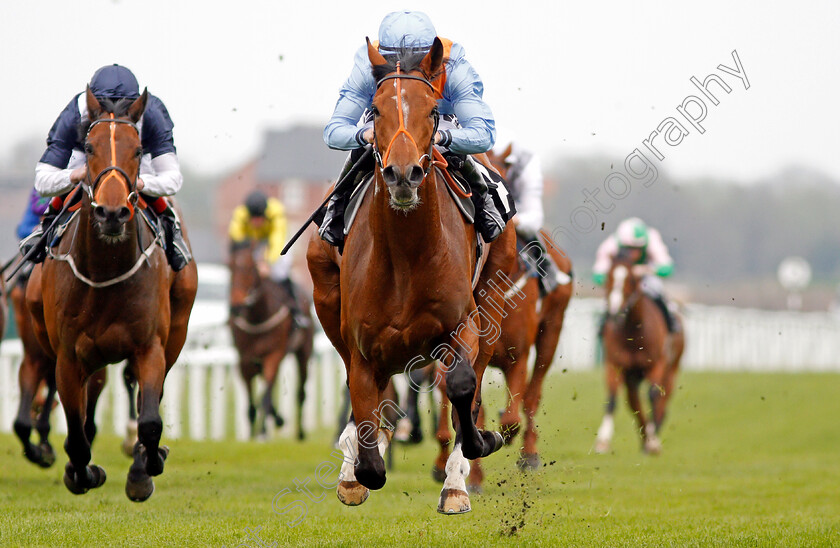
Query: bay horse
(402, 294)
(637, 346)
(107, 294)
(264, 333)
(529, 321)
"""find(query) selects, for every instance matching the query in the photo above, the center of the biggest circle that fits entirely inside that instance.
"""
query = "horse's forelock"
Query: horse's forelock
(119, 107)
(409, 59)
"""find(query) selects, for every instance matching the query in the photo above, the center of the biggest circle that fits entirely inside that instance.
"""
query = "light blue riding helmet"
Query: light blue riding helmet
(401, 29)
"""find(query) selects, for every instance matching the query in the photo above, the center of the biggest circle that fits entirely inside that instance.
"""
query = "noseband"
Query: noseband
(382, 160)
(113, 169)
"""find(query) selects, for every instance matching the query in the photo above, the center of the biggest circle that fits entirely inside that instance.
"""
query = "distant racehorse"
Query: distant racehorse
(637, 346)
(107, 294)
(525, 324)
(263, 333)
(410, 287)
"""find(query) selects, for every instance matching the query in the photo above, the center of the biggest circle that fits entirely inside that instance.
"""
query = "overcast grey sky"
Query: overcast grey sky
(566, 78)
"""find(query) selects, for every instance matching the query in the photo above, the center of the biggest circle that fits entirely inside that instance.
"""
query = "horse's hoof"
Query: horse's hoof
(509, 432)
(140, 489)
(352, 493)
(370, 478)
(454, 501)
(98, 475)
(528, 462)
(602, 447)
(47, 455)
(402, 434)
(653, 446)
(155, 467)
(475, 489)
(438, 474)
(70, 481)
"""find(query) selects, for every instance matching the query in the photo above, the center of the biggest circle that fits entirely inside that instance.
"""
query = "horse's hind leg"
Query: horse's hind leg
(42, 424)
(149, 456)
(79, 476)
(29, 380)
(476, 477)
(270, 370)
(302, 356)
(443, 435)
(605, 431)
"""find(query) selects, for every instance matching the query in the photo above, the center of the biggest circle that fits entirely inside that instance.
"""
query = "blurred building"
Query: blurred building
(294, 166)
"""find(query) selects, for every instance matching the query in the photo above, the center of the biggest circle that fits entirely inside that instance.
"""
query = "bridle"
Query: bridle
(112, 170)
(382, 160)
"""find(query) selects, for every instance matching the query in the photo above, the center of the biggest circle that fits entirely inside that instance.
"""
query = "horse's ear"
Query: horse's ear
(374, 55)
(138, 107)
(506, 152)
(430, 65)
(93, 106)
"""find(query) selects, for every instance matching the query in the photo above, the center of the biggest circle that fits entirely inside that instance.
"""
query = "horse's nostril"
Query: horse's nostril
(123, 214)
(415, 175)
(99, 213)
(390, 175)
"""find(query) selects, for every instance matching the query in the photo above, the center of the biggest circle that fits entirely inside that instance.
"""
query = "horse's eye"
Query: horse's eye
(434, 113)
(375, 111)
(139, 152)
(88, 148)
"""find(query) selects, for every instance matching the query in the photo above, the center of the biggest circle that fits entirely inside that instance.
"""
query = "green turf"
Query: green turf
(748, 460)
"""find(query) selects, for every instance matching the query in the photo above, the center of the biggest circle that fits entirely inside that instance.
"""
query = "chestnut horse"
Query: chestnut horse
(107, 294)
(637, 346)
(263, 333)
(403, 293)
(526, 324)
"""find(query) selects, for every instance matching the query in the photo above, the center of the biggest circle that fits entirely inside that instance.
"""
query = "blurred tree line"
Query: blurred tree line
(717, 231)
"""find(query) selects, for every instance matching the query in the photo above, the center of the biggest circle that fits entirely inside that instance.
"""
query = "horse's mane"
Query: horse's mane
(119, 107)
(409, 58)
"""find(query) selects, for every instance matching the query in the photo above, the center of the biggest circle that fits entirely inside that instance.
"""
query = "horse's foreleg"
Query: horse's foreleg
(302, 356)
(270, 370)
(131, 428)
(79, 476)
(95, 384)
(605, 431)
(365, 396)
(462, 389)
(29, 379)
(548, 338)
(657, 395)
(516, 377)
(453, 497)
(443, 434)
(149, 456)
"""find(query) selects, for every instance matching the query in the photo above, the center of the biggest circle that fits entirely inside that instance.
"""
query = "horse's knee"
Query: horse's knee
(149, 431)
(461, 383)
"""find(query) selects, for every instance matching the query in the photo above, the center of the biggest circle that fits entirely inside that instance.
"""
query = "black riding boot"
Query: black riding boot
(177, 250)
(37, 235)
(331, 221)
(538, 258)
(669, 318)
(298, 316)
(491, 215)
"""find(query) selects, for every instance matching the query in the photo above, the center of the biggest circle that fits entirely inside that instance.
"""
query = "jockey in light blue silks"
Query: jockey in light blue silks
(466, 123)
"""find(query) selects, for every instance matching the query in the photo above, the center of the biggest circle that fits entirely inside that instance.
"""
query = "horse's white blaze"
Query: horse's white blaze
(617, 293)
(605, 431)
(404, 105)
(348, 442)
(457, 470)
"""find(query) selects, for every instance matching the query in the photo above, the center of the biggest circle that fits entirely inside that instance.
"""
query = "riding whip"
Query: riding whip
(351, 173)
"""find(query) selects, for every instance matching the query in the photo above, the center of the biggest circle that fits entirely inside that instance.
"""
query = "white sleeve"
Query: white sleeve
(53, 181)
(529, 210)
(604, 256)
(161, 175)
(657, 251)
